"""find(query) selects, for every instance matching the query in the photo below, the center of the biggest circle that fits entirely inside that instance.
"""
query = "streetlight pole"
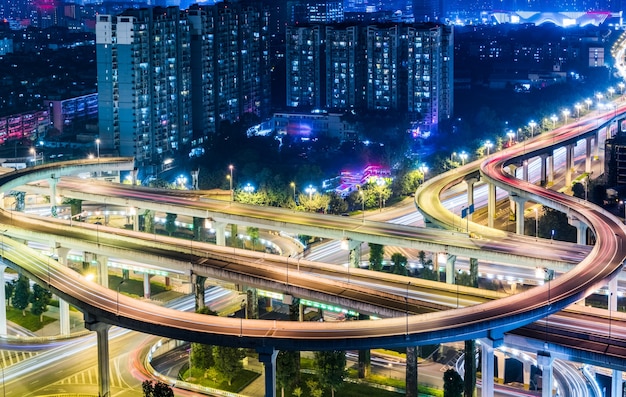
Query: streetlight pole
(118, 296)
(98, 148)
(230, 168)
(532, 126)
(293, 186)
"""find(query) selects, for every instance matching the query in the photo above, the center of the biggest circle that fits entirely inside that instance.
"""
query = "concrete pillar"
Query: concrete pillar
(194, 179)
(220, 233)
(613, 294)
(470, 193)
(527, 365)
(501, 365)
(550, 169)
(133, 176)
(267, 355)
(581, 230)
(596, 146)
(617, 384)
(103, 270)
(544, 361)
(450, 273)
(491, 205)
(146, 285)
(198, 287)
(102, 333)
(355, 253)
(52, 182)
(64, 307)
(588, 154)
(519, 213)
(301, 312)
(365, 363)
(411, 372)
(487, 369)
(3, 308)
(543, 180)
(569, 164)
(525, 170)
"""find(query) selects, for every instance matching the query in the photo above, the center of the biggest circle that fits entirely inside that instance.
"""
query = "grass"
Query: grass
(244, 378)
(30, 321)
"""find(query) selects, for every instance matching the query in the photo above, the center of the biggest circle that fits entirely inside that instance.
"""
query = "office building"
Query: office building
(144, 84)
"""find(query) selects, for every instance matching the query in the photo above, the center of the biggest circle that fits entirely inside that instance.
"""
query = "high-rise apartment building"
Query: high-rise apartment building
(144, 83)
(315, 11)
(397, 67)
(167, 78)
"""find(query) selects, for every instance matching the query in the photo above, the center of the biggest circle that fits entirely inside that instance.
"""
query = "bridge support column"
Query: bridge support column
(194, 179)
(501, 365)
(491, 205)
(197, 285)
(102, 333)
(52, 182)
(581, 230)
(103, 270)
(3, 309)
(612, 302)
(64, 307)
(588, 154)
(146, 285)
(526, 368)
(267, 355)
(487, 351)
(596, 145)
(471, 180)
(550, 169)
(519, 213)
(133, 176)
(411, 371)
(220, 233)
(525, 170)
(450, 272)
(543, 179)
(544, 361)
(617, 384)
(355, 253)
(569, 164)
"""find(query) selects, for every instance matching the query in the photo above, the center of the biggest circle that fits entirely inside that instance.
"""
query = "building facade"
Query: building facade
(386, 67)
(144, 83)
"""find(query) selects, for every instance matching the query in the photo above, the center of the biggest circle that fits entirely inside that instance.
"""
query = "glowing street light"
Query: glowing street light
(532, 126)
(452, 155)
(588, 102)
(554, 120)
(293, 186)
(510, 134)
(230, 179)
(423, 169)
(488, 146)
(566, 114)
(611, 91)
(310, 190)
(34, 153)
(621, 86)
(98, 148)
(463, 157)
(577, 107)
(248, 188)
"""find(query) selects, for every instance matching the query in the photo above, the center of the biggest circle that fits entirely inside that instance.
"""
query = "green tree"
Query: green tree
(228, 362)
(557, 221)
(156, 389)
(9, 289)
(287, 370)
(452, 384)
(201, 355)
(148, 221)
(399, 264)
(21, 295)
(170, 223)
(337, 205)
(39, 301)
(330, 367)
(253, 233)
(76, 206)
(376, 256)
(428, 271)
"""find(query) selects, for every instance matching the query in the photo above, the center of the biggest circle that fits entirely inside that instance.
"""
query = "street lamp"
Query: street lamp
(423, 169)
(310, 190)
(452, 156)
(566, 114)
(463, 157)
(293, 186)
(554, 120)
(611, 91)
(588, 102)
(381, 183)
(488, 145)
(621, 86)
(510, 134)
(230, 179)
(532, 126)
(248, 188)
(536, 223)
(577, 107)
(98, 148)
(34, 153)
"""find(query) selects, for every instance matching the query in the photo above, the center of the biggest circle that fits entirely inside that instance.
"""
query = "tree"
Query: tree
(21, 295)
(9, 289)
(39, 300)
(170, 223)
(228, 362)
(399, 264)
(157, 389)
(331, 369)
(452, 384)
(287, 370)
(376, 256)
(201, 355)
(553, 220)
(253, 233)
